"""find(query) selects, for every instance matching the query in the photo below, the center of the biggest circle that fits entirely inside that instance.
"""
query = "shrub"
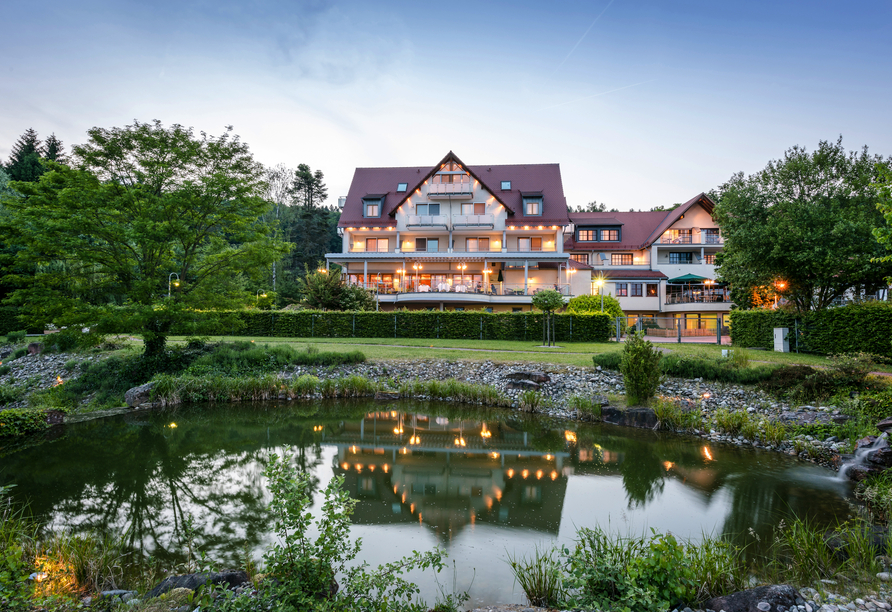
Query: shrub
(18, 535)
(10, 394)
(586, 406)
(609, 361)
(4, 370)
(18, 422)
(16, 336)
(18, 353)
(674, 417)
(530, 401)
(640, 366)
(592, 304)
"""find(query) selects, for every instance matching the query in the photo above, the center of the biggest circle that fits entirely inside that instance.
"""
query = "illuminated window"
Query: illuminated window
(610, 235)
(620, 259)
(526, 245)
(580, 257)
(532, 206)
(709, 259)
(622, 289)
(587, 235)
(653, 290)
(379, 245)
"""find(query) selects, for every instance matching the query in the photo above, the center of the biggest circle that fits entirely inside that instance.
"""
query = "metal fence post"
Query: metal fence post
(394, 325)
(481, 327)
(718, 330)
(678, 327)
(619, 330)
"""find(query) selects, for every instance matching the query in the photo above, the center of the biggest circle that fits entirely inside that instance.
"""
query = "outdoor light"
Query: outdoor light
(175, 283)
(600, 283)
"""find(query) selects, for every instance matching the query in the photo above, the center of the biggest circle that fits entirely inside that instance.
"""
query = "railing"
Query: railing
(473, 220)
(697, 238)
(477, 249)
(597, 261)
(427, 221)
(532, 249)
(493, 288)
(698, 298)
(442, 248)
(362, 249)
(435, 189)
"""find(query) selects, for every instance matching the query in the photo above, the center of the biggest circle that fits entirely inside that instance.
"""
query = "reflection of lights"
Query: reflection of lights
(499, 494)
(394, 489)
(404, 451)
(393, 414)
(358, 467)
(707, 454)
(485, 433)
(345, 466)
(510, 473)
(415, 440)
(398, 430)
(353, 449)
(412, 508)
(554, 475)
(419, 518)
(488, 502)
(173, 425)
(525, 473)
(371, 468)
(386, 468)
(570, 436)
(460, 442)
(494, 455)
(549, 457)
(538, 474)
(404, 498)
(317, 428)
(668, 465)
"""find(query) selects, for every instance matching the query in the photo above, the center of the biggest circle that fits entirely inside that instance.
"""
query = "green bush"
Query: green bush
(640, 367)
(539, 575)
(16, 336)
(18, 353)
(251, 358)
(592, 304)
(10, 394)
(17, 422)
(854, 328)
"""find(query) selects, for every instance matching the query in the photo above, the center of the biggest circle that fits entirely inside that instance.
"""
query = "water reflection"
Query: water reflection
(480, 483)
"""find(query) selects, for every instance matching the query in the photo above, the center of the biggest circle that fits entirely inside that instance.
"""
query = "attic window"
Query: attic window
(506, 185)
(371, 207)
(532, 206)
(402, 187)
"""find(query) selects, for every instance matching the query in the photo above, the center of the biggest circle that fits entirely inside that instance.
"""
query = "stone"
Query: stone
(759, 599)
(137, 396)
(231, 578)
(116, 594)
(537, 377)
(865, 442)
(387, 395)
(884, 576)
(35, 348)
(881, 456)
(643, 418)
(523, 385)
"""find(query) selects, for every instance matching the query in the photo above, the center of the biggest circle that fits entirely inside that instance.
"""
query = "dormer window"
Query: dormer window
(401, 187)
(532, 207)
(506, 185)
(372, 207)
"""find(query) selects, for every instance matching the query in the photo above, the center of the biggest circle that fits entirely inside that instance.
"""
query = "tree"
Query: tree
(308, 188)
(326, 290)
(592, 206)
(883, 233)
(548, 301)
(278, 191)
(804, 225)
(54, 150)
(144, 203)
(24, 163)
(592, 303)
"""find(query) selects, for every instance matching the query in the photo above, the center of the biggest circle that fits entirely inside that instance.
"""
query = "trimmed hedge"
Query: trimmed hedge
(865, 327)
(594, 327)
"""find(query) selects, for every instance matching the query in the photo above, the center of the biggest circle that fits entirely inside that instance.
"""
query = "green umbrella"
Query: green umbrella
(501, 279)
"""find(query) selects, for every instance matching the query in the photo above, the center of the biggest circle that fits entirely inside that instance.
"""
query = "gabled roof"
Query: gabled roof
(525, 178)
(673, 216)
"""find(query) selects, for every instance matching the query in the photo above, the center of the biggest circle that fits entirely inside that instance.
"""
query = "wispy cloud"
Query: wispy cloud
(585, 34)
(603, 93)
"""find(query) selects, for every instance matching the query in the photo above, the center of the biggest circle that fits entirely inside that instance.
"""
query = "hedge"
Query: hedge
(865, 327)
(594, 327)
(9, 320)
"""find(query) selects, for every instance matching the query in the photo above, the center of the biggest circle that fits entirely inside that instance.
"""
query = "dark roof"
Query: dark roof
(701, 199)
(614, 274)
(525, 178)
(572, 263)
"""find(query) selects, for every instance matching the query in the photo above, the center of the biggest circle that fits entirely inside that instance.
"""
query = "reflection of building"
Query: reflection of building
(447, 474)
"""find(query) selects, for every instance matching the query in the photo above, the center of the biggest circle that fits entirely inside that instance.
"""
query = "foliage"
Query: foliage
(321, 289)
(17, 537)
(548, 301)
(305, 568)
(686, 366)
(143, 201)
(356, 297)
(530, 401)
(863, 327)
(18, 422)
(592, 303)
(16, 336)
(540, 577)
(10, 394)
(9, 319)
(640, 367)
(585, 406)
(804, 225)
(674, 417)
(24, 162)
(242, 358)
(593, 327)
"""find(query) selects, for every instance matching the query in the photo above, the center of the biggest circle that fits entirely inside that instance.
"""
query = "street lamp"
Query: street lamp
(416, 267)
(599, 283)
(780, 285)
(175, 283)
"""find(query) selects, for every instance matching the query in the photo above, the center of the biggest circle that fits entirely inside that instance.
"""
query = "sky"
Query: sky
(642, 103)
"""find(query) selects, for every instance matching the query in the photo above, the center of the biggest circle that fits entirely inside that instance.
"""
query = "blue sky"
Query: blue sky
(641, 102)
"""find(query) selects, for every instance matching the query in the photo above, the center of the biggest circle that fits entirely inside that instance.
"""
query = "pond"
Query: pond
(482, 484)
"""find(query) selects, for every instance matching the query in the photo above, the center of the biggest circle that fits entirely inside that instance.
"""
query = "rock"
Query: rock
(644, 418)
(35, 348)
(760, 599)
(537, 377)
(387, 395)
(884, 576)
(881, 456)
(523, 385)
(231, 578)
(865, 442)
(137, 396)
(117, 594)
(885, 425)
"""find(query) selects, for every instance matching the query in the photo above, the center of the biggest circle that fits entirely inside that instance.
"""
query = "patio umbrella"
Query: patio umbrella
(501, 279)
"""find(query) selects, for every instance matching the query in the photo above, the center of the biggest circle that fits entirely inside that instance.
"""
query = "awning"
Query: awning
(687, 278)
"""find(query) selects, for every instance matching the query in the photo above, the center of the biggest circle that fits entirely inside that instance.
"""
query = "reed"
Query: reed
(540, 576)
(674, 417)
(586, 407)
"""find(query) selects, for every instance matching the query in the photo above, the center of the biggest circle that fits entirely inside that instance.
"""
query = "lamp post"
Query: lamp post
(600, 283)
(175, 283)
(260, 295)
(780, 285)
(416, 267)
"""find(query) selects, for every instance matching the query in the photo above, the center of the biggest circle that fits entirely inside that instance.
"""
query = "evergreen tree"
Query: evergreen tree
(24, 163)
(308, 187)
(53, 150)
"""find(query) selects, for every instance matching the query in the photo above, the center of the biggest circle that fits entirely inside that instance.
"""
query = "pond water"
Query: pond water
(481, 484)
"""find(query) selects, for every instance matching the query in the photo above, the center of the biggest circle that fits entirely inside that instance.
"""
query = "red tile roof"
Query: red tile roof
(544, 178)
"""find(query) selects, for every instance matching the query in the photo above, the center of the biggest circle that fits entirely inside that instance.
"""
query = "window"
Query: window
(488, 309)
(636, 289)
(709, 259)
(580, 257)
(506, 185)
(475, 245)
(380, 245)
(372, 208)
(517, 310)
(431, 245)
(587, 235)
(610, 235)
(402, 187)
(653, 290)
(532, 206)
(476, 208)
(620, 259)
(529, 244)
(459, 309)
(622, 289)
(680, 258)
(677, 236)
(711, 236)
(428, 209)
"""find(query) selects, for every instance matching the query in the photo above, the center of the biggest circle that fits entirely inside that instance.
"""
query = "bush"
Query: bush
(16, 336)
(18, 422)
(640, 366)
(10, 394)
(18, 353)
(243, 358)
(592, 304)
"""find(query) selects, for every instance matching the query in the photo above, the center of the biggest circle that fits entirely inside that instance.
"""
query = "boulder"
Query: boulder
(643, 418)
(35, 348)
(231, 578)
(537, 377)
(387, 395)
(523, 385)
(881, 456)
(885, 424)
(772, 598)
(865, 442)
(137, 396)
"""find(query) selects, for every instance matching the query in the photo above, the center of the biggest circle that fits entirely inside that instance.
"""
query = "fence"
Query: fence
(662, 329)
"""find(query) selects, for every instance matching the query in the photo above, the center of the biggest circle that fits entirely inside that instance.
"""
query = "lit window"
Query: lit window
(506, 185)
(710, 259)
(610, 235)
(620, 259)
(377, 245)
(526, 245)
(580, 257)
(588, 235)
(372, 208)
(653, 290)
(622, 289)
(532, 206)
(402, 186)
(636, 289)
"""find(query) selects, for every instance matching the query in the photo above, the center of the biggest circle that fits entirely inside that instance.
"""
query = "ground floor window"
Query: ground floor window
(653, 290)
(636, 290)
(622, 289)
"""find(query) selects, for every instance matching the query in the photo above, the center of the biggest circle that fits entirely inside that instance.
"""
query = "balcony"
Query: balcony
(360, 248)
(409, 286)
(450, 190)
(427, 221)
(477, 249)
(637, 262)
(697, 238)
(473, 221)
(440, 248)
(697, 297)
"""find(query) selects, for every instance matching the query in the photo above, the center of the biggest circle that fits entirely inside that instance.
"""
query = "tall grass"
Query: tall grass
(250, 358)
(539, 575)
(586, 407)
(673, 416)
(530, 401)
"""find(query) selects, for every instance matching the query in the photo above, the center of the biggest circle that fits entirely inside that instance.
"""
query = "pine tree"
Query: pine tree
(24, 163)
(308, 187)
(54, 150)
